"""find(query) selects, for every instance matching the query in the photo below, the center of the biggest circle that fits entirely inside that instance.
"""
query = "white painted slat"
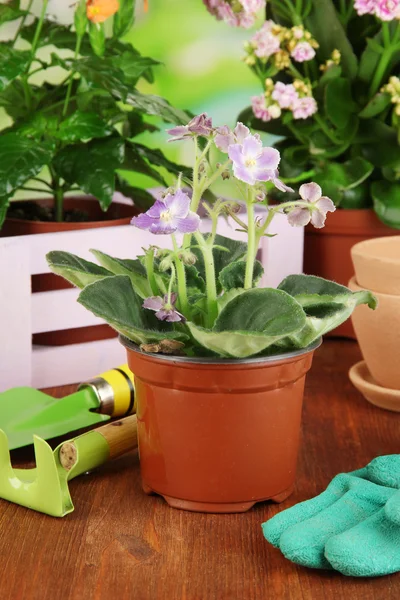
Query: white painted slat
(62, 365)
(15, 314)
(52, 311)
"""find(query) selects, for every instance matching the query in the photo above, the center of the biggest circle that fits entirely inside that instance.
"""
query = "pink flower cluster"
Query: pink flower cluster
(238, 13)
(284, 96)
(265, 42)
(386, 10)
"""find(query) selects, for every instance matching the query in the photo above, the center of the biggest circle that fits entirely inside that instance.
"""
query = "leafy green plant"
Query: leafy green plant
(329, 70)
(201, 298)
(78, 134)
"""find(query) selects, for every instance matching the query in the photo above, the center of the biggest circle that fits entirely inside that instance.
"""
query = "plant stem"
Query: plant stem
(69, 90)
(212, 306)
(171, 283)
(23, 20)
(384, 60)
(214, 177)
(251, 240)
(181, 279)
(149, 265)
(37, 33)
(59, 204)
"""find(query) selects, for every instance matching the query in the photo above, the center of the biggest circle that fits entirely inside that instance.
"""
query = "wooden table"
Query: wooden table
(121, 544)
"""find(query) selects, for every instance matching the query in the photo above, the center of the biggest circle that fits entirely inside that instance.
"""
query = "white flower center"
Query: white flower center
(166, 216)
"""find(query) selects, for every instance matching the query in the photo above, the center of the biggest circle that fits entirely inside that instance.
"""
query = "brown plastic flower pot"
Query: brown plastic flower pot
(218, 435)
(327, 250)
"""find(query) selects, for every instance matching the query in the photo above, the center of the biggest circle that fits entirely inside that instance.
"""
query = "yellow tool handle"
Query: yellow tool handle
(115, 390)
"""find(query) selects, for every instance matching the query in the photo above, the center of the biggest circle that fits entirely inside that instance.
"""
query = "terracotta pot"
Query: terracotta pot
(378, 333)
(218, 435)
(377, 264)
(117, 214)
(327, 250)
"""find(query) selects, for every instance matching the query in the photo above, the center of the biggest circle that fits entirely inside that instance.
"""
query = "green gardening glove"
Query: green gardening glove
(353, 527)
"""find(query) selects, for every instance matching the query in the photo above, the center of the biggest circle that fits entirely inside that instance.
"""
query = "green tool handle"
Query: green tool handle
(90, 450)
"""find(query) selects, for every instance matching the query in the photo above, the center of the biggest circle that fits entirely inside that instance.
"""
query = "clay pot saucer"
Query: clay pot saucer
(362, 379)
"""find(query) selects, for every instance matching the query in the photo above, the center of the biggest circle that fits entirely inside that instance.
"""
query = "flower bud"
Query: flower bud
(165, 264)
(187, 257)
(225, 174)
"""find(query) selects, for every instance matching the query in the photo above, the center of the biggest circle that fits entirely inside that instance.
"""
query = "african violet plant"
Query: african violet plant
(202, 297)
(78, 134)
(329, 73)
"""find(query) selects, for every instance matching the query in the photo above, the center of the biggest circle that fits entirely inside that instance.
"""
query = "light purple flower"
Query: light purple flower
(316, 213)
(285, 94)
(168, 215)
(302, 52)
(165, 310)
(265, 43)
(264, 111)
(252, 162)
(304, 107)
(200, 125)
(225, 136)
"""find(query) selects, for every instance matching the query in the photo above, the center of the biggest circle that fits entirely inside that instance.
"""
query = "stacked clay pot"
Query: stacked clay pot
(377, 267)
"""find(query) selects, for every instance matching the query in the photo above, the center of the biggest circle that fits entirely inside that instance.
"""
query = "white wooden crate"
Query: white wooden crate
(23, 313)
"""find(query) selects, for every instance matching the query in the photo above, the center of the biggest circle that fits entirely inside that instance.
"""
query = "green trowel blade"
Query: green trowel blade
(25, 411)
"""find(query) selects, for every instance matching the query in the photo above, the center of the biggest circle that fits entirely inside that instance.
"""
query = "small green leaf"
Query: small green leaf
(133, 66)
(92, 166)
(12, 63)
(233, 275)
(124, 18)
(97, 38)
(20, 160)
(133, 268)
(4, 204)
(114, 300)
(225, 251)
(80, 18)
(10, 12)
(376, 105)
(74, 269)
(386, 196)
(135, 161)
(154, 105)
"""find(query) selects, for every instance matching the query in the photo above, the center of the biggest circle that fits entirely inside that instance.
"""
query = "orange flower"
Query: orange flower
(146, 5)
(99, 11)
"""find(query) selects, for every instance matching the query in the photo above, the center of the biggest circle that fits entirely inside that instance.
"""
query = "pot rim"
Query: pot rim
(220, 361)
(353, 281)
(358, 249)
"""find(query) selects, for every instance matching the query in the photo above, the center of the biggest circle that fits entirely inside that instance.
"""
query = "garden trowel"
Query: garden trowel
(25, 411)
(45, 488)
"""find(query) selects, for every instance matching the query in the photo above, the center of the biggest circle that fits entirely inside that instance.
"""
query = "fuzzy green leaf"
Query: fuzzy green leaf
(225, 251)
(76, 270)
(133, 268)
(233, 275)
(251, 322)
(326, 304)
(114, 300)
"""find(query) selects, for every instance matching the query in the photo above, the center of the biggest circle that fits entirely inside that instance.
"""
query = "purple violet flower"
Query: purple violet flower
(200, 125)
(168, 215)
(319, 207)
(252, 162)
(225, 137)
(165, 310)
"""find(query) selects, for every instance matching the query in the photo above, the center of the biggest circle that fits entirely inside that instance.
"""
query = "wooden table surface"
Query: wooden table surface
(121, 544)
